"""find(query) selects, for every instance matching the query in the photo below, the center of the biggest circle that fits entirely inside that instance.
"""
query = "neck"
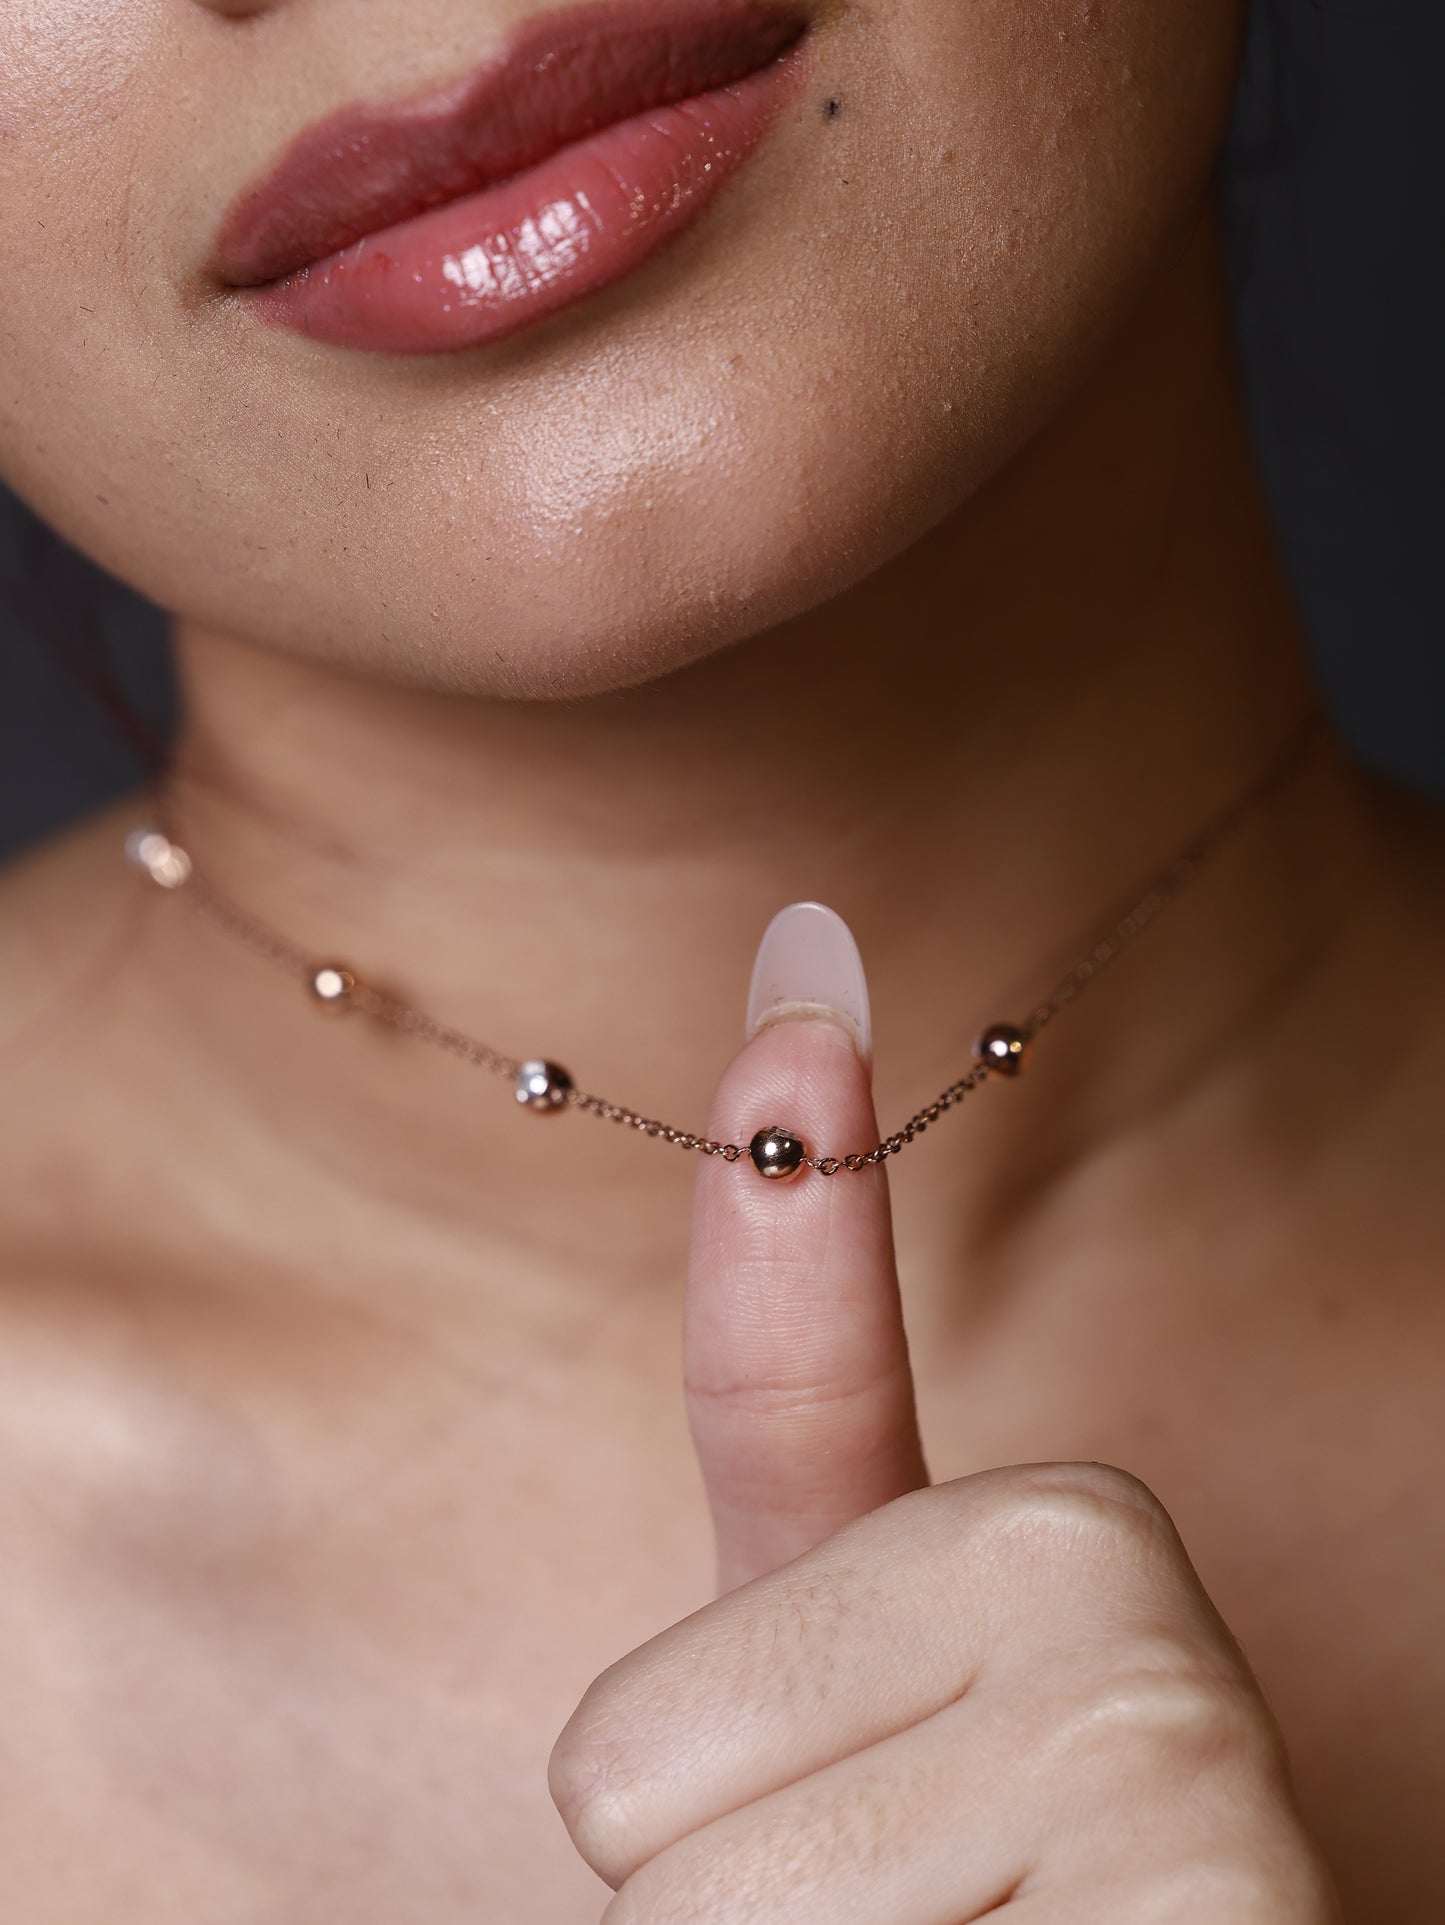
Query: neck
(972, 756)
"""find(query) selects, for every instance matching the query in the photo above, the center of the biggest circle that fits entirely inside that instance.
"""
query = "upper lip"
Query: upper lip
(558, 77)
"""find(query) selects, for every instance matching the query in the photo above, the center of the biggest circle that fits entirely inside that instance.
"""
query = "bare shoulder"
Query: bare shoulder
(63, 904)
(71, 915)
(91, 1293)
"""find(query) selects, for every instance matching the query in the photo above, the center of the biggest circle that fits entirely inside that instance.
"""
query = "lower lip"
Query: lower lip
(491, 263)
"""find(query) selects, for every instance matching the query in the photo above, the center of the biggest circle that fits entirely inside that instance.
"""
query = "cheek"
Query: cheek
(873, 317)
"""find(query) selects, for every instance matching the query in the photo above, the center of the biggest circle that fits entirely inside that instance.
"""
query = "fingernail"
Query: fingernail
(808, 965)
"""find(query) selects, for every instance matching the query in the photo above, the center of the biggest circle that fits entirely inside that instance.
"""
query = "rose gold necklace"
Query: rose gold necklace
(779, 1153)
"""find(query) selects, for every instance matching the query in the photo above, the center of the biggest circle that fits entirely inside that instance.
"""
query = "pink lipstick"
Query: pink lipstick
(459, 216)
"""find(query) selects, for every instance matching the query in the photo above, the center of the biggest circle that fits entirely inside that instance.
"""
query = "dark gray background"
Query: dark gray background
(1334, 192)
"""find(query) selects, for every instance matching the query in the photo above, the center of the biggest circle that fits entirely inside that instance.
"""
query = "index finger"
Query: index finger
(796, 1369)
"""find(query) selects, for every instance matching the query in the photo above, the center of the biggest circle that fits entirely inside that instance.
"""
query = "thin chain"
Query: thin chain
(1170, 880)
(386, 1008)
(1156, 897)
(265, 941)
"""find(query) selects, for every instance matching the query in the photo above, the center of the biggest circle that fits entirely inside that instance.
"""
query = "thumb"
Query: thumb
(795, 1363)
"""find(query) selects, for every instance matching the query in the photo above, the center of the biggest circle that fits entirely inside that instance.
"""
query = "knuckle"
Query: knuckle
(1176, 1713)
(1086, 1518)
(1166, 1712)
(595, 1775)
(1258, 1887)
(620, 1771)
(1088, 1504)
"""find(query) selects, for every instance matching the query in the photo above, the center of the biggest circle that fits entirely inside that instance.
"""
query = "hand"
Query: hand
(1005, 1696)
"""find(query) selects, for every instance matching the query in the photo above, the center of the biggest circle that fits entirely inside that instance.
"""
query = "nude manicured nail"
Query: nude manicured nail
(808, 963)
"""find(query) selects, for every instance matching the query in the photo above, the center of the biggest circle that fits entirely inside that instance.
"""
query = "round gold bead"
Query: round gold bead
(1001, 1047)
(332, 986)
(778, 1153)
(543, 1086)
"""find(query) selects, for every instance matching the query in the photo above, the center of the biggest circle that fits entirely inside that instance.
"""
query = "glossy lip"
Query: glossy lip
(459, 215)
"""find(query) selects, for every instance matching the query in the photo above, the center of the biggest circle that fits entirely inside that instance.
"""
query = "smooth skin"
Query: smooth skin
(892, 540)
(1003, 1696)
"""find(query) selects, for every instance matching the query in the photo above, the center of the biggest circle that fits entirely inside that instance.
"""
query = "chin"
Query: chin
(582, 545)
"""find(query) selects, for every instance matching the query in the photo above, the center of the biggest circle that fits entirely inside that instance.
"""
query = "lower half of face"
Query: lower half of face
(942, 208)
